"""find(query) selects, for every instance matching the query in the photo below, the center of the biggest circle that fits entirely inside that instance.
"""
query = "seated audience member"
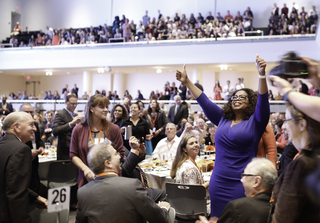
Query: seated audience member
(291, 196)
(169, 144)
(24, 96)
(56, 95)
(267, 145)
(49, 96)
(85, 96)
(289, 152)
(128, 201)
(280, 141)
(184, 168)
(258, 180)
(5, 107)
(119, 114)
(16, 30)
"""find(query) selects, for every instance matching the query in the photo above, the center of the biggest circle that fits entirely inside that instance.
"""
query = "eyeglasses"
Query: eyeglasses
(287, 120)
(240, 97)
(248, 175)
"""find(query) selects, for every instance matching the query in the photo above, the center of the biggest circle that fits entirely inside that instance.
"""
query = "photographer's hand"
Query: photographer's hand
(283, 85)
(313, 67)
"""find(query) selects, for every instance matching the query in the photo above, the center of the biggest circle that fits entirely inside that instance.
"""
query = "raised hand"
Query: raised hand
(182, 75)
(283, 85)
(261, 65)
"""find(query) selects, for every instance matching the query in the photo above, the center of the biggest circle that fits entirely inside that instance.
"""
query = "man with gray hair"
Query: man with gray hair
(177, 112)
(169, 144)
(258, 180)
(15, 167)
(123, 200)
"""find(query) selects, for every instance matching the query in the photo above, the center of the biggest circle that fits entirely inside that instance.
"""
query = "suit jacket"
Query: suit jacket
(181, 113)
(247, 210)
(15, 174)
(287, 156)
(62, 130)
(35, 180)
(9, 107)
(117, 199)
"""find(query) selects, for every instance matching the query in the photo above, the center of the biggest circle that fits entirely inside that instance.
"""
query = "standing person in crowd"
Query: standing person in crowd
(208, 139)
(280, 141)
(46, 128)
(184, 168)
(65, 89)
(227, 90)
(241, 124)
(217, 89)
(267, 146)
(37, 147)
(63, 124)
(75, 90)
(182, 91)
(159, 121)
(304, 88)
(15, 166)
(292, 201)
(173, 90)
(119, 114)
(93, 130)
(178, 111)
(140, 127)
(5, 107)
(126, 27)
(145, 19)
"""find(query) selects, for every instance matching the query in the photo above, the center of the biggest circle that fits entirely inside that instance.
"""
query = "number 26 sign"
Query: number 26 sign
(58, 199)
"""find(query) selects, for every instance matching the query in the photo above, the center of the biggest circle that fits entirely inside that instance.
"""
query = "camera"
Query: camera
(291, 66)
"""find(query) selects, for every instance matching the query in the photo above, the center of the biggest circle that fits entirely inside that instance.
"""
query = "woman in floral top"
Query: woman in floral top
(184, 168)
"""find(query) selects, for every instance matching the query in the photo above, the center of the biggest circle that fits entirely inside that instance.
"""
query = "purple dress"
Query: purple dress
(235, 148)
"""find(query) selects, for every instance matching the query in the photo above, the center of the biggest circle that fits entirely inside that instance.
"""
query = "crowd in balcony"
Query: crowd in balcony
(161, 28)
(298, 21)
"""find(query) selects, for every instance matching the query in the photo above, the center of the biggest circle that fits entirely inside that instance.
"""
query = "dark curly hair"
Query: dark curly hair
(228, 112)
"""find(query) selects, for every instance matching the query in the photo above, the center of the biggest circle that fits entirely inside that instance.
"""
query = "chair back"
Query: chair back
(189, 201)
(62, 173)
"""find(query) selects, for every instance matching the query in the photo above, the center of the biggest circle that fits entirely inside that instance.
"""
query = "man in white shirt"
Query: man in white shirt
(227, 90)
(169, 144)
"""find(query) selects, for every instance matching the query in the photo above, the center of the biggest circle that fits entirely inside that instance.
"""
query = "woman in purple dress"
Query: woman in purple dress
(241, 124)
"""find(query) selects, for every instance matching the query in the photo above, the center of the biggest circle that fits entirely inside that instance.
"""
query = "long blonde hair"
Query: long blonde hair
(181, 155)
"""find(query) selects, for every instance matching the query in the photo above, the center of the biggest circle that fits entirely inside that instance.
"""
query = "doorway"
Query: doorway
(15, 17)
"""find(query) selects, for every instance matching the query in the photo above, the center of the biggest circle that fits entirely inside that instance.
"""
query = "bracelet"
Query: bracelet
(285, 96)
(164, 208)
(262, 76)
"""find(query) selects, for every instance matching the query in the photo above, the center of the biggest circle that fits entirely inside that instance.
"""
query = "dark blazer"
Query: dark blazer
(128, 202)
(75, 91)
(247, 210)
(15, 174)
(181, 113)
(287, 156)
(9, 107)
(62, 130)
(35, 180)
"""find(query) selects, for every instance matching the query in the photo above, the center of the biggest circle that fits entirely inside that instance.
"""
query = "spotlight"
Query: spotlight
(223, 67)
(107, 68)
(159, 71)
(100, 70)
(49, 73)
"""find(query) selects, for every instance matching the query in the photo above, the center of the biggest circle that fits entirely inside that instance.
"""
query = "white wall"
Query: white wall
(37, 14)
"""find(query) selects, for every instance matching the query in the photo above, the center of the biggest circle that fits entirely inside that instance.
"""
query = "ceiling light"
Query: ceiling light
(100, 70)
(159, 71)
(49, 73)
(223, 67)
(68, 72)
(107, 68)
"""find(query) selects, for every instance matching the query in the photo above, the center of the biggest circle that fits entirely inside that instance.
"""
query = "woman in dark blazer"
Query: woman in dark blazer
(159, 121)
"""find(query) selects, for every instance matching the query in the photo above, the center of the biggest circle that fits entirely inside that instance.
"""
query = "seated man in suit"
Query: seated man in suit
(125, 200)
(15, 167)
(177, 112)
(258, 180)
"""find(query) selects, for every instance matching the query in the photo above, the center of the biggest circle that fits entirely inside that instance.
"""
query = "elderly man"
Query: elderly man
(5, 107)
(169, 144)
(15, 167)
(178, 111)
(258, 180)
(126, 199)
(36, 145)
(63, 124)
